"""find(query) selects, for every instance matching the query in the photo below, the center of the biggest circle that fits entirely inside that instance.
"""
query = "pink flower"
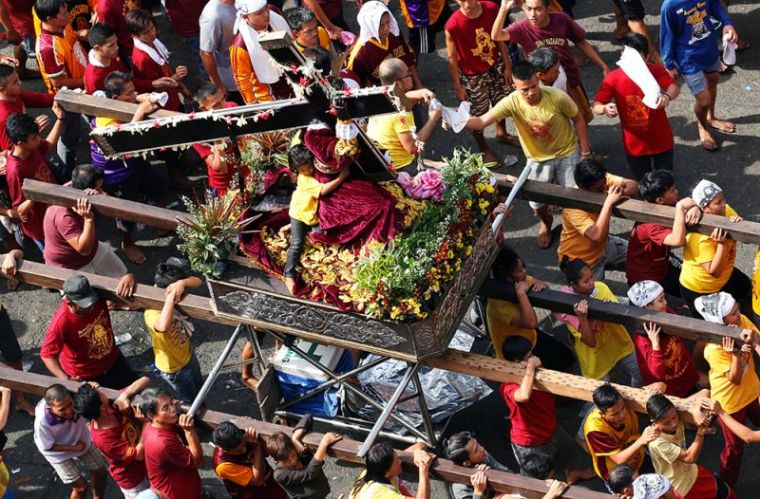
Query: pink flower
(427, 184)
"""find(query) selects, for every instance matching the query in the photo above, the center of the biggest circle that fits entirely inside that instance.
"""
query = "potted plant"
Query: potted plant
(210, 234)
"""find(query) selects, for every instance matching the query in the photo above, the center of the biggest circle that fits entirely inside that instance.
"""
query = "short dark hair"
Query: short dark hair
(5, 71)
(20, 126)
(205, 90)
(637, 42)
(227, 435)
(605, 396)
(87, 401)
(99, 33)
(454, 447)
(149, 400)
(279, 446)
(299, 155)
(620, 478)
(115, 83)
(572, 268)
(658, 405)
(297, 17)
(505, 263)
(138, 20)
(543, 59)
(167, 274)
(523, 71)
(321, 58)
(588, 172)
(86, 176)
(538, 465)
(56, 393)
(515, 348)
(46, 9)
(655, 184)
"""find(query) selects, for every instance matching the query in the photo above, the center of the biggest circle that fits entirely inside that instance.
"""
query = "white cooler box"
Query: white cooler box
(288, 362)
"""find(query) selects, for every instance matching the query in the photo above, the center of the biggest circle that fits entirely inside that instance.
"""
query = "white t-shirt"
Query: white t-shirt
(50, 430)
(216, 22)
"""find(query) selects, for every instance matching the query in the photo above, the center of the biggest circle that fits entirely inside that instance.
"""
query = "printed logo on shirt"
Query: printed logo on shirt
(540, 130)
(100, 342)
(638, 113)
(696, 17)
(484, 47)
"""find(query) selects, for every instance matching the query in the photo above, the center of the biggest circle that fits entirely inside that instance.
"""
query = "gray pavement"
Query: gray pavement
(735, 168)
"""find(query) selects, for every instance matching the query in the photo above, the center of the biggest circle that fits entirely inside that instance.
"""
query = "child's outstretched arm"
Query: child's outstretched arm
(327, 440)
(526, 387)
(164, 321)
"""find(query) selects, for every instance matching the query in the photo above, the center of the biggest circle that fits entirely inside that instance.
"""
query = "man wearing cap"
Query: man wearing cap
(79, 343)
(255, 76)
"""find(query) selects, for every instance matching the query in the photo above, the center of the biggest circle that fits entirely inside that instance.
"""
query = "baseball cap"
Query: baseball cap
(78, 291)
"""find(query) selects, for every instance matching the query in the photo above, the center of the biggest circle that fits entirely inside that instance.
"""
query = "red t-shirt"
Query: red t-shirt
(672, 364)
(365, 60)
(60, 225)
(647, 257)
(145, 68)
(23, 101)
(83, 344)
(112, 12)
(476, 52)
(217, 180)
(118, 445)
(35, 166)
(184, 16)
(534, 421)
(645, 131)
(95, 76)
(557, 35)
(20, 12)
(331, 8)
(170, 465)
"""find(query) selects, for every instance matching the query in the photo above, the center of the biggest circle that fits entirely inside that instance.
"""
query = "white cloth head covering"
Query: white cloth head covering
(713, 308)
(260, 58)
(643, 293)
(650, 486)
(704, 192)
(158, 52)
(369, 21)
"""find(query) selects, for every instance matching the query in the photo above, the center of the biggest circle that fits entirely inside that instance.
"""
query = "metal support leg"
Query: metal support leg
(424, 412)
(254, 339)
(389, 407)
(214, 372)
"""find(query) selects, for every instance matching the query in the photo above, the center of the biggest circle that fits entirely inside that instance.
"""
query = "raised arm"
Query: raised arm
(599, 231)
(523, 393)
(499, 33)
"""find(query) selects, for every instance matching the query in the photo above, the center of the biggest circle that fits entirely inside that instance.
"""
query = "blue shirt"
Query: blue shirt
(687, 39)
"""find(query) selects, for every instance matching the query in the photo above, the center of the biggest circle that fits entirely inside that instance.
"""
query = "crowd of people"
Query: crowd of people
(505, 65)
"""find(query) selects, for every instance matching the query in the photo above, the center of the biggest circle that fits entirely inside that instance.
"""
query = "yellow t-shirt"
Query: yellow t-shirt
(172, 349)
(384, 131)
(730, 396)
(612, 341)
(700, 249)
(665, 451)
(756, 284)
(376, 490)
(603, 441)
(304, 203)
(573, 243)
(499, 315)
(101, 122)
(545, 130)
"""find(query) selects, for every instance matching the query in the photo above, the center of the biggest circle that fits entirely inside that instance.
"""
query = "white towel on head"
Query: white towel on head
(643, 293)
(650, 486)
(159, 54)
(713, 308)
(260, 58)
(369, 17)
(704, 192)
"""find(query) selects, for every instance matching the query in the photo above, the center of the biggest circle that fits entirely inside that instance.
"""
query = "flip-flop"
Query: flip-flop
(723, 131)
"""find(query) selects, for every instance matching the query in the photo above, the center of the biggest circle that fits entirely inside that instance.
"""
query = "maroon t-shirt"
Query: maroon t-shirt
(83, 344)
(60, 225)
(170, 465)
(112, 12)
(534, 421)
(95, 76)
(647, 257)
(365, 60)
(476, 52)
(645, 131)
(118, 445)
(20, 12)
(35, 166)
(556, 35)
(184, 15)
(145, 68)
(25, 100)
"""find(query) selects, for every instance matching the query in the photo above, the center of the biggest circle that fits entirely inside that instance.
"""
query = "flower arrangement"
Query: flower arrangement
(406, 278)
(210, 235)
(265, 151)
(427, 184)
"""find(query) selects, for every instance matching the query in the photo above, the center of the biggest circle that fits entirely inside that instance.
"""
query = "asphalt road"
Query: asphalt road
(735, 168)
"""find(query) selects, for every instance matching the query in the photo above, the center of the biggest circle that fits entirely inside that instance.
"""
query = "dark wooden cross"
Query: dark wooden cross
(318, 99)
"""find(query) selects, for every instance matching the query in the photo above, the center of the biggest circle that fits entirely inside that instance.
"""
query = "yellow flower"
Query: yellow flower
(468, 204)
(468, 251)
(449, 254)
(483, 204)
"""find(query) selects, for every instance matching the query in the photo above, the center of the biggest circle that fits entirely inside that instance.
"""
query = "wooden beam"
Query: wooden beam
(567, 385)
(344, 450)
(81, 103)
(631, 209)
(627, 315)
(109, 206)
